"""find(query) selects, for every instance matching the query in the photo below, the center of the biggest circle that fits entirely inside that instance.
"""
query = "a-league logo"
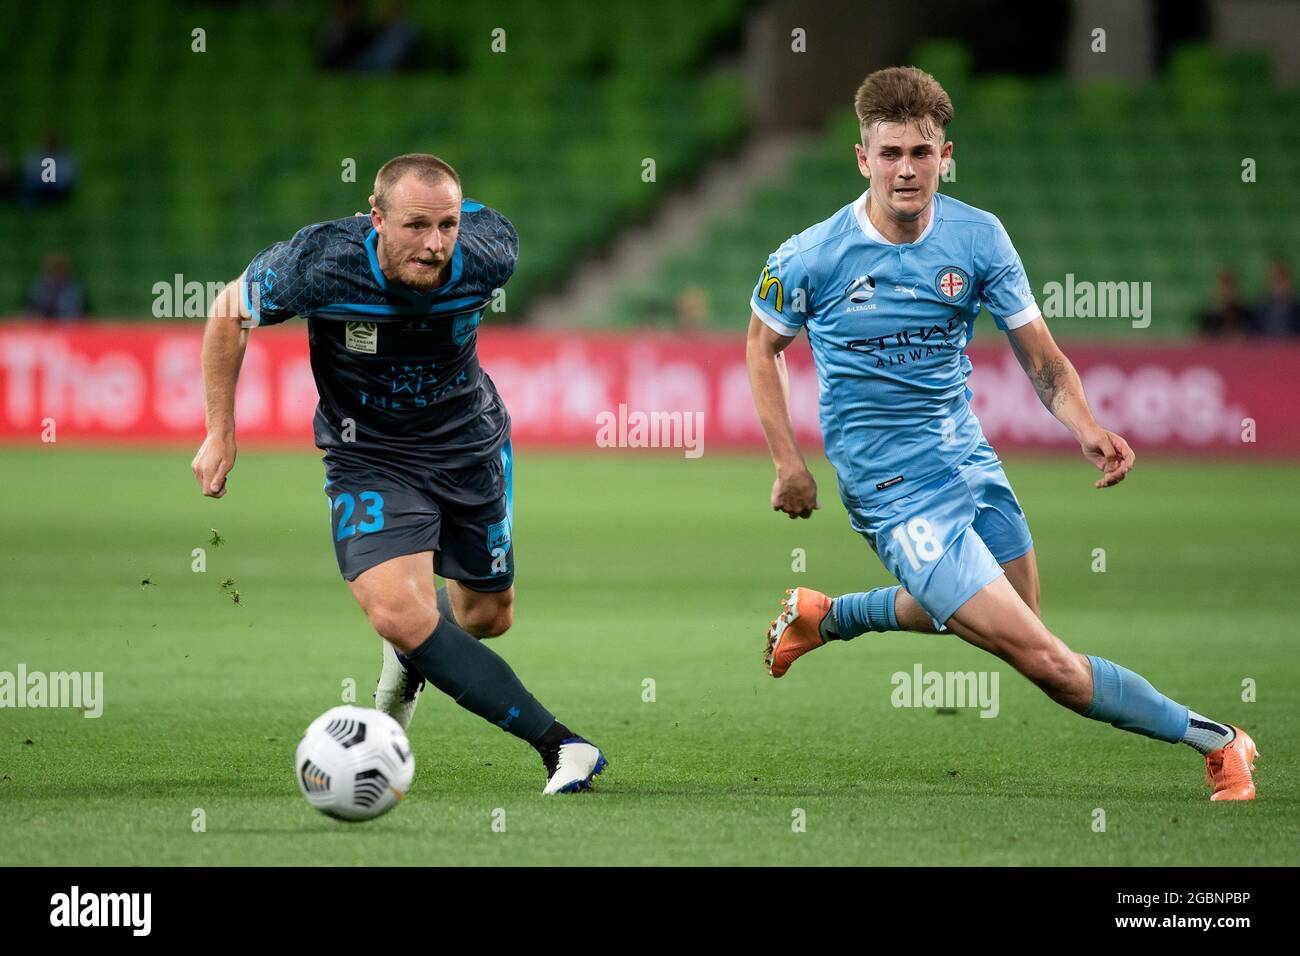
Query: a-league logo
(861, 289)
(951, 283)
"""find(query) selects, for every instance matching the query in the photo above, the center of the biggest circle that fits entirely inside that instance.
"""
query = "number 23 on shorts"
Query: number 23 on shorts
(345, 506)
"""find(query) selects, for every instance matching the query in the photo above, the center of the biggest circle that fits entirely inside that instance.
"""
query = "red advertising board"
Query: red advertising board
(141, 383)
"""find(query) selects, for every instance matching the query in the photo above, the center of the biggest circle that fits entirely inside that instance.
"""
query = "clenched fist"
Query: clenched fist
(212, 462)
(795, 494)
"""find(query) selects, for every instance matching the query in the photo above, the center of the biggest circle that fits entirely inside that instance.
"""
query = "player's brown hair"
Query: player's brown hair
(429, 169)
(898, 94)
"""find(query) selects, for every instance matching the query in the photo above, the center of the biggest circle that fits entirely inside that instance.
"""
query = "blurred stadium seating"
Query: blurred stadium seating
(1106, 182)
(183, 174)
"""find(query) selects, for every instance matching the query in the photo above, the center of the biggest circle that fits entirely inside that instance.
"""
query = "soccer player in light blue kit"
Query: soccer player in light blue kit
(888, 289)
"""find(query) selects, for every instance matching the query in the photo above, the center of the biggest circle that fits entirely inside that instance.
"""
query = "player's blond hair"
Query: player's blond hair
(899, 94)
(426, 167)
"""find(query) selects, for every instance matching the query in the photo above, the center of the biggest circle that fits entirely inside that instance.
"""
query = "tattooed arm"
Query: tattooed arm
(1061, 392)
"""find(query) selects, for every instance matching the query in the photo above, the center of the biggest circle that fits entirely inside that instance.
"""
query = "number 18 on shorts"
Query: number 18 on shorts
(949, 538)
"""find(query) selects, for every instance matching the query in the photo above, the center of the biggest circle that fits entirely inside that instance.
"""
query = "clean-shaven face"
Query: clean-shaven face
(417, 232)
(904, 166)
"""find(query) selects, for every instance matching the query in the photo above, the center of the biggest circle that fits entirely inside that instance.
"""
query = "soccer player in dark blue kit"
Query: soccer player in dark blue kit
(416, 438)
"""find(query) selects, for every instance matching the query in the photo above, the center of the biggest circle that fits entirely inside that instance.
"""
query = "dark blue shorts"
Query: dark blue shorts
(384, 508)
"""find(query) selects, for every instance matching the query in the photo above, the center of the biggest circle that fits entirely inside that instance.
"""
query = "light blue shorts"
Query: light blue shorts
(949, 537)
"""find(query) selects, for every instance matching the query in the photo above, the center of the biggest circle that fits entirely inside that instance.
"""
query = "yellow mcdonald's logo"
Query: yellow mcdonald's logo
(766, 283)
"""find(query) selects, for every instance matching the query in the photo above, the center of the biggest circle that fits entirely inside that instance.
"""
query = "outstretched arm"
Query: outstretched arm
(794, 491)
(1061, 392)
(224, 340)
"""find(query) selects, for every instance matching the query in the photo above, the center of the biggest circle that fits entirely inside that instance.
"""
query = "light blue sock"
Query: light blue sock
(862, 611)
(1128, 701)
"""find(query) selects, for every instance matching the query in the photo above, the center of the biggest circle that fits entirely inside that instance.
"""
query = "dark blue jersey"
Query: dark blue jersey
(397, 369)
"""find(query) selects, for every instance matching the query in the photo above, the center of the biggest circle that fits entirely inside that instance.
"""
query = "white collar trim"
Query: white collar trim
(874, 234)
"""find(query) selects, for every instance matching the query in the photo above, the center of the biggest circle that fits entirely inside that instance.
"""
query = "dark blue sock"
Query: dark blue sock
(1127, 700)
(444, 608)
(862, 611)
(475, 677)
(444, 605)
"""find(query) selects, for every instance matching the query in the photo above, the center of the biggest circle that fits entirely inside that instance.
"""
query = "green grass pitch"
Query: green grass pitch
(635, 567)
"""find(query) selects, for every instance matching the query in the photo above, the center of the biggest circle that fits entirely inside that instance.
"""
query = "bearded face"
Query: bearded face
(418, 231)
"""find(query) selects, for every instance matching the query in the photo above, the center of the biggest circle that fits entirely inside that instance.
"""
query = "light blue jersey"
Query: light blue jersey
(889, 324)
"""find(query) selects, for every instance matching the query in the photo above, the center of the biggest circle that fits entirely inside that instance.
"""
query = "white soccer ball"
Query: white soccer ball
(354, 763)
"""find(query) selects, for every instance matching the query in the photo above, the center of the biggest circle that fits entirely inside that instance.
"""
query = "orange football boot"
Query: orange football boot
(796, 630)
(1228, 769)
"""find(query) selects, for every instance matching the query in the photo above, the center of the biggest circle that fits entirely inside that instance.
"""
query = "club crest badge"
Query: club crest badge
(951, 283)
